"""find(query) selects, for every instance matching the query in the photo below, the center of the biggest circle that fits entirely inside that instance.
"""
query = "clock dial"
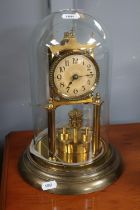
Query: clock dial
(75, 75)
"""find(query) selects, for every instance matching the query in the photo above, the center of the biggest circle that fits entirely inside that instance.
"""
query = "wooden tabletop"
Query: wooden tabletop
(124, 194)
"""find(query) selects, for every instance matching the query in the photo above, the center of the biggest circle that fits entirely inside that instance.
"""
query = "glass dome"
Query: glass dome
(70, 100)
(51, 34)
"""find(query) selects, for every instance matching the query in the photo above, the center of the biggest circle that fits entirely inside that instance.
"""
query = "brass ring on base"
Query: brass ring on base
(73, 179)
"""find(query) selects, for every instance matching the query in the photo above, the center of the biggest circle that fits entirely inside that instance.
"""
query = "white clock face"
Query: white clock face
(75, 76)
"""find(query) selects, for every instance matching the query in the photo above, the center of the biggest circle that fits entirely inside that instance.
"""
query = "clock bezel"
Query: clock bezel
(56, 59)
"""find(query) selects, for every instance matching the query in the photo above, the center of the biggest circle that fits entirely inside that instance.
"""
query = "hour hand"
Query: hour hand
(68, 87)
(69, 83)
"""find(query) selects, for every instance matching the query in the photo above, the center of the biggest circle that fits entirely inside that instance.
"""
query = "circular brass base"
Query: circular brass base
(79, 179)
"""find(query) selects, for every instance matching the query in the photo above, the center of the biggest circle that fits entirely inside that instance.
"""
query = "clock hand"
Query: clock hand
(87, 75)
(69, 83)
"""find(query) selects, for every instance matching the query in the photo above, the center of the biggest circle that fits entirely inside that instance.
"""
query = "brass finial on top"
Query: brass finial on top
(69, 42)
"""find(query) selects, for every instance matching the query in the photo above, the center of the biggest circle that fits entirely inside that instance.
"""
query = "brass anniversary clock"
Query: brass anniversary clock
(70, 153)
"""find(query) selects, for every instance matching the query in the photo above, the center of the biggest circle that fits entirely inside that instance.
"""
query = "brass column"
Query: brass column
(51, 129)
(96, 124)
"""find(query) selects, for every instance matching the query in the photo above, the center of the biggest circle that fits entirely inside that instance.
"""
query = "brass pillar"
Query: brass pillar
(51, 129)
(96, 125)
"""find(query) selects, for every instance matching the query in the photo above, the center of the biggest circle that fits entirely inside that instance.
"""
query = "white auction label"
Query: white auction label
(49, 185)
(71, 16)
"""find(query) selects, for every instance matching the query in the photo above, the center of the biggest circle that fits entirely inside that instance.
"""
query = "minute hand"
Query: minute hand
(87, 75)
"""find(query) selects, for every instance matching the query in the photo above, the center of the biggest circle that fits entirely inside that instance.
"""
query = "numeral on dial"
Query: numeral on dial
(91, 75)
(75, 91)
(83, 88)
(59, 76)
(62, 84)
(68, 88)
(67, 63)
(75, 60)
(62, 69)
(88, 82)
(88, 67)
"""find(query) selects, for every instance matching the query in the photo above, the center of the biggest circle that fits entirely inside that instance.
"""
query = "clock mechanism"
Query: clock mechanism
(69, 153)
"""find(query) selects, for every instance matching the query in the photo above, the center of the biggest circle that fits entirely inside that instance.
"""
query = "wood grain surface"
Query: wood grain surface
(124, 194)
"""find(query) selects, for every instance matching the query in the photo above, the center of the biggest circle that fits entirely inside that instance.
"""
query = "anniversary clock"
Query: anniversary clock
(70, 152)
